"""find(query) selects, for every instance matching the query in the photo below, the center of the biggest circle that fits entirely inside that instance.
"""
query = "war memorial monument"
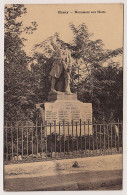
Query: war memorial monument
(62, 105)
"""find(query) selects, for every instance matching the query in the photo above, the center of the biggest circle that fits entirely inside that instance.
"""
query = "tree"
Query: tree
(107, 92)
(103, 84)
(94, 76)
(17, 77)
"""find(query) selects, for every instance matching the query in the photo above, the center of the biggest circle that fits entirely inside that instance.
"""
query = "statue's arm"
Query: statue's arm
(54, 45)
(56, 48)
(64, 64)
(69, 59)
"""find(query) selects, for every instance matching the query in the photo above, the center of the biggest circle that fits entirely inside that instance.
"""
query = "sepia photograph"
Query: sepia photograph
(63, 97)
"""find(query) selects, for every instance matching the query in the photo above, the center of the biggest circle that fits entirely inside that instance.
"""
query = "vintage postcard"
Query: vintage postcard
(63, 97)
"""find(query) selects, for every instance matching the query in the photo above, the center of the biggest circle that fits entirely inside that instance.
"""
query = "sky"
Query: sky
(107, 26)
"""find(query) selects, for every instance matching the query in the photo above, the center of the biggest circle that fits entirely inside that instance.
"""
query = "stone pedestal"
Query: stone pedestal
(61, 96)
(65, 107)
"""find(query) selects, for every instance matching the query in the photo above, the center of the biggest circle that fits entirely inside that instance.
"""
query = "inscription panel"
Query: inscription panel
(68, 111)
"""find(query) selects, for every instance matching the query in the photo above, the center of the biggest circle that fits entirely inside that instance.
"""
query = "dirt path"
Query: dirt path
(92, 180)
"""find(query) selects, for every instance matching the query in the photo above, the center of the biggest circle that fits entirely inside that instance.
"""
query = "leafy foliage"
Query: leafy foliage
(17, 88)
(95, 77)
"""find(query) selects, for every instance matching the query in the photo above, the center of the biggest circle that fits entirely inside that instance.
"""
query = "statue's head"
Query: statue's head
(64, 46)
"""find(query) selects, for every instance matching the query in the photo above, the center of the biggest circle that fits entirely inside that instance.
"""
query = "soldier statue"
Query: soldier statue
(61, 66)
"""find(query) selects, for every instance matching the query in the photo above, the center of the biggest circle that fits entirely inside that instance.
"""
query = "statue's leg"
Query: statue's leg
(53, 82)
(67, 82)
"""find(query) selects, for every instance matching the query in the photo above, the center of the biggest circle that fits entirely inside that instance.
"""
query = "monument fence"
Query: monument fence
(63, 140)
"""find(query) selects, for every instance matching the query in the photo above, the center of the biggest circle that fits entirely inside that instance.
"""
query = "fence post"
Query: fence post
(64, 134)
(122, 135)
(108, 137)
(115, 136)
(111, 138)
(12, 140)
(118, 135)
(85, 138)
(100, 138)
(60, 139)
(6, 141)
(68, 137)
(72, 138)
(93, 136)
(27, 142)
(51, 138)
(104, 137)
(32, 141)
(41, 142)
(55, 136)
(96, 141)
(89, 137)
(37, 137)
(46, 137)
(81, 136)
(17, 143)
(76, 138)
(22, 142)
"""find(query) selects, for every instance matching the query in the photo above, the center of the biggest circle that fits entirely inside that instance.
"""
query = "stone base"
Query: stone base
(67, 110)
(65, 107)
(52, 96)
